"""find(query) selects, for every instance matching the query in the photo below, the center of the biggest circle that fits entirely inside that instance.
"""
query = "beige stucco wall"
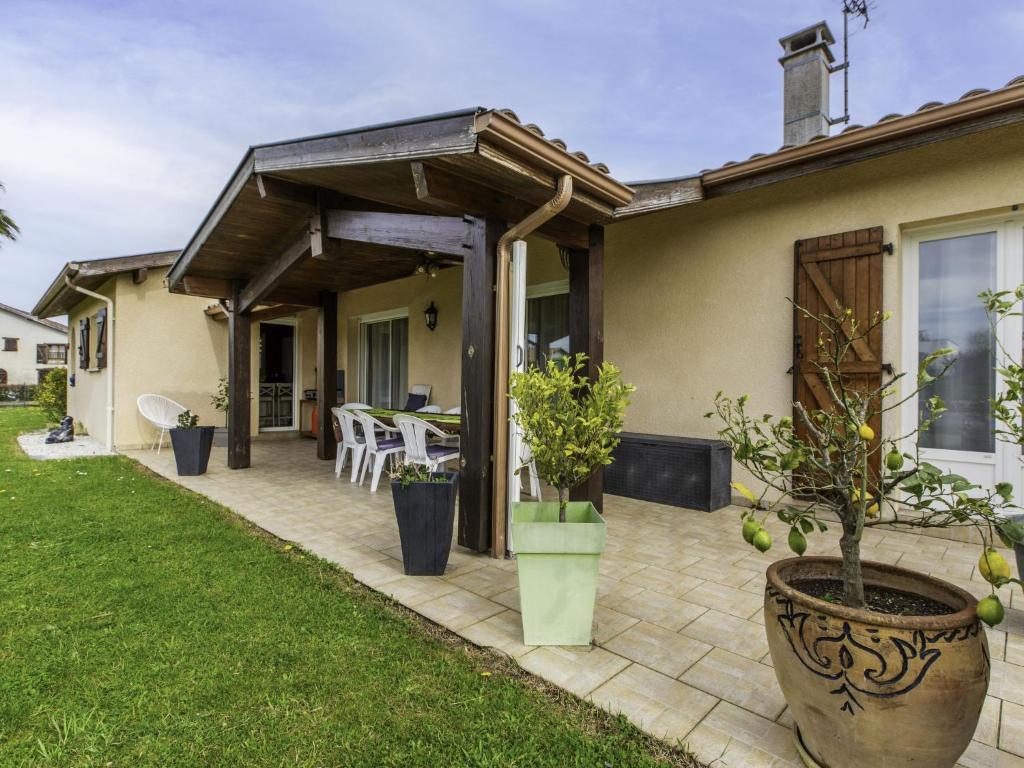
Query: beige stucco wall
(695, 297)
(434, 356)
(164, 344)
(87, 399)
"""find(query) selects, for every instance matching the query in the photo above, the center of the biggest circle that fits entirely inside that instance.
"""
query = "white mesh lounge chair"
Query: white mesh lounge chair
(417, 450)
(429, 409)
(377, 449)
(351, 441)
(456, 411)
(420, 389)
(162, 413)
(527, 462)
(356, 406)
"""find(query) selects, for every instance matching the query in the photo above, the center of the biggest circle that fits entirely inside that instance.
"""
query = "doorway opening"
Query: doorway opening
(278, 376)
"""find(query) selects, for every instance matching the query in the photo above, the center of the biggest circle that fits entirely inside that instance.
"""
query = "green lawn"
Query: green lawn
(144, 625)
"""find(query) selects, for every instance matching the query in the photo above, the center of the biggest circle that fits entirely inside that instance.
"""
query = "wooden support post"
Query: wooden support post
(477, 385)
(586, 331)
(326, 373)
(239, 382)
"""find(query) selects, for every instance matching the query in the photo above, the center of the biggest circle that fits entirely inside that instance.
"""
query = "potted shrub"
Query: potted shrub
(219, 400)
(879, 665)
(571, 425)
(425, 510)
(191, 445)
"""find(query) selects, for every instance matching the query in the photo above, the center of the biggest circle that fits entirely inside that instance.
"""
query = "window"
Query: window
(51, 354)
(10, 345)
(3, 376)
(385, 355)
(41, 374)
(101, 338)
(547, 328)
(83, 344)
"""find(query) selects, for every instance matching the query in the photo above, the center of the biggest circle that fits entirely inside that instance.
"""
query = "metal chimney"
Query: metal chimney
(806, 65)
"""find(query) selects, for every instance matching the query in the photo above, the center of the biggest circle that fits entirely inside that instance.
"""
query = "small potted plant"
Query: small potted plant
(571, 425)
(191, 444)
(219, 401)
(879, 665)
(425, 510)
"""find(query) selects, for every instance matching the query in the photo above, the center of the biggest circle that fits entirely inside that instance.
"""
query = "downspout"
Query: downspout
(109, 352)
(499, 501)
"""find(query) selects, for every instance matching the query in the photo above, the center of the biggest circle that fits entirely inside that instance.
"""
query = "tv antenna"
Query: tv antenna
(856, 9)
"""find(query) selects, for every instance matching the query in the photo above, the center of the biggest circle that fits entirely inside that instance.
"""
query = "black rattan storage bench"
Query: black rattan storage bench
(682, 471)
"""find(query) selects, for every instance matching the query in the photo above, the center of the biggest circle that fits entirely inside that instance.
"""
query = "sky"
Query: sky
(121, 121)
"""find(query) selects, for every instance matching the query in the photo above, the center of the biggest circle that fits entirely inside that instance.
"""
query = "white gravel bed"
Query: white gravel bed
(35, 447)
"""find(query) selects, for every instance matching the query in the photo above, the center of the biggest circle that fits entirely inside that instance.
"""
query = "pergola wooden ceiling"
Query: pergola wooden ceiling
(479, 163)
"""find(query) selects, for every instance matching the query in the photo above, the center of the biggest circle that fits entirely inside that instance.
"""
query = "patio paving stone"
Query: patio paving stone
(1011, 729)
(680, 646)
(742, 637)
(579, 670)
(738, 680)
(658, 648)
(655, 702)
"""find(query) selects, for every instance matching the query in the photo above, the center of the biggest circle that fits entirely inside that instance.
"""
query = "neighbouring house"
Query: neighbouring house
(29, 347)
(128, 336)
(348, 238)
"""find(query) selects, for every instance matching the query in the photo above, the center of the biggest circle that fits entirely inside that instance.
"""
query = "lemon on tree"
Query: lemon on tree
(762, 540)
(750, 529)
(993, 566)
(990, 610)
(797, 540)
(866, 432)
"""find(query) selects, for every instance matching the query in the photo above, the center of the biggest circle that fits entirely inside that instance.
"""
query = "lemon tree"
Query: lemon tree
(822, 462)
(571, 423)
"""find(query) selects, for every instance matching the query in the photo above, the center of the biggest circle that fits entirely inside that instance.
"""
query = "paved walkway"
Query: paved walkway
(679, 641)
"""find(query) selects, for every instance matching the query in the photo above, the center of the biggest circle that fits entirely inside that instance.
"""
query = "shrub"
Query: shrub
(571, 424)
(52, 394)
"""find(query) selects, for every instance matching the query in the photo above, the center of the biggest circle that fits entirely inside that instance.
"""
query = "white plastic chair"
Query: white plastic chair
(356, 406)
(429, 409)
(417, 450)
(350, 441)
(377, 451)
(456, 411)
(162, 413)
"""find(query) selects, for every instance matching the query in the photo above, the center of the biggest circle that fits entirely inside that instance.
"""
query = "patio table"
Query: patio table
(446, 422)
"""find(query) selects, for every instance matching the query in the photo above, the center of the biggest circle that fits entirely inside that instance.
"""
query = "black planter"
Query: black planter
(192, 449)
(425, 513)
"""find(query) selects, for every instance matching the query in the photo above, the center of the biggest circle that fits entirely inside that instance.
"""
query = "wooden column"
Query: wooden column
(326, 373)
(586, 331)
(477, 385)
(239, 381)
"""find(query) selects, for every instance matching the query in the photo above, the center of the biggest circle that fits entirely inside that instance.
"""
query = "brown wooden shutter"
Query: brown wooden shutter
(843, 270)
(41, 353)
(83, 344)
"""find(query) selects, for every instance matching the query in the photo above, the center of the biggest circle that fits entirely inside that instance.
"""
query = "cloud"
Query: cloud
(122, 120)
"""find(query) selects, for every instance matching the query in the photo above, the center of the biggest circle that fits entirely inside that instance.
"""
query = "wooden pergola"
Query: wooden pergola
(300, 221)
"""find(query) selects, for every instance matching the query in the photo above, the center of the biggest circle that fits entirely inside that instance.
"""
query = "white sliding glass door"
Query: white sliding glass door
(944, 271)
(384, 355)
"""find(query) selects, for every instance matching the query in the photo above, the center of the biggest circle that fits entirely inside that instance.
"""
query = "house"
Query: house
(29, 347)
(128, 336)
(521, 245)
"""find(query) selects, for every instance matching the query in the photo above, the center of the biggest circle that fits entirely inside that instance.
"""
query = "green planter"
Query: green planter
(557, 567)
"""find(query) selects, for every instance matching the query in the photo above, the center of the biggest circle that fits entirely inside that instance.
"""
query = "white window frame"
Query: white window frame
(296, 375)
(398, 313)
(1009, 229)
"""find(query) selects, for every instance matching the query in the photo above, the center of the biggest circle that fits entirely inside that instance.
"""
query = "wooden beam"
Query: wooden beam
(210, 287)
(442, 234)
(273, 273)
(477, 386)
(139, 275)
(586, 333)
(326, 373)
(289, 191)
(261, 314)
(453, 193)
(239, 383)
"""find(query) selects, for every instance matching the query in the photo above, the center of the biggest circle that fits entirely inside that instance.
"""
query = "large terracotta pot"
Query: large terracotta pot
(870, 689)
